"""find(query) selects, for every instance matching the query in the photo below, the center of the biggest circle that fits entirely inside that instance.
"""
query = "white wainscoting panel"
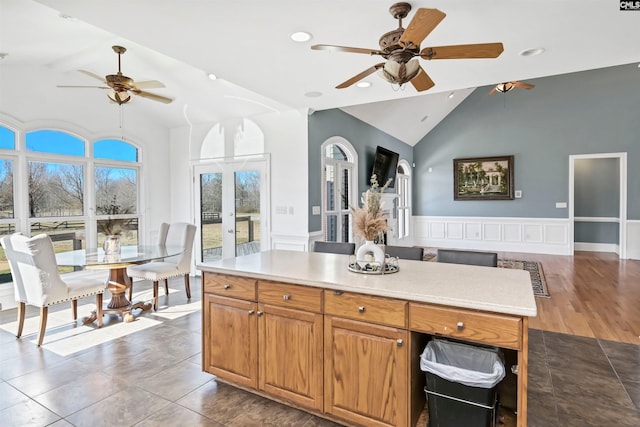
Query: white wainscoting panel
(492, 232)
(633, 239)
(532, 235)
(473, 231)
(290, 243)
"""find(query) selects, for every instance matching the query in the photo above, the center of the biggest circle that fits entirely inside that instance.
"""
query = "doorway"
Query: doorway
(621, 217)
(231, 207)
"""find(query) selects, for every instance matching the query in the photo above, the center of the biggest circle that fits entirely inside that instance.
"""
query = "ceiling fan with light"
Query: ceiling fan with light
(507, 86)
(122, 87)
(401, 48)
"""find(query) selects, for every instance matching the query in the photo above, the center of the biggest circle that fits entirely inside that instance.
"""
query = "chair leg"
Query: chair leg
(99, 309)
(21, 310)
(131, 291)
(155, 296)
(74, 309)
(186, 285)
(43, 324)
(166, 286)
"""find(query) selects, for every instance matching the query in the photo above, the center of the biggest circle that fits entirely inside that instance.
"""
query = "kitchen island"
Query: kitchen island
(302, 329)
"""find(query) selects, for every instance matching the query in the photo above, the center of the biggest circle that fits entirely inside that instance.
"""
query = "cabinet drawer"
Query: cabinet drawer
(496, 329)
(230, 286)
(292, 296)
(385, 311)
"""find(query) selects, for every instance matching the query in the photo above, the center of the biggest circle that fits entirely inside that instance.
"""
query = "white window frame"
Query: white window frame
(403, 186)
(350, 164)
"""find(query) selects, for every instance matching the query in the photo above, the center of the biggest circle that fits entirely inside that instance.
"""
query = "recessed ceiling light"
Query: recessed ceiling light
(364, 84)
(426, 116)
(532, 52)
(212, 76)
(313, 94)
(300, 36)
(3, 55)
(451, 95)
(65, 16)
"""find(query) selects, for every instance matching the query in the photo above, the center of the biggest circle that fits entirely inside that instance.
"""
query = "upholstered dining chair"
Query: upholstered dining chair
(405, 252)
(456, 256)
(175, 234)
(334, 247)
(36, 280)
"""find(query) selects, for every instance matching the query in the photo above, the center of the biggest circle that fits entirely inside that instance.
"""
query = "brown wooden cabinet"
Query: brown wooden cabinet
(347, 356)
(290, 342)
(230, 334)
(366, 372)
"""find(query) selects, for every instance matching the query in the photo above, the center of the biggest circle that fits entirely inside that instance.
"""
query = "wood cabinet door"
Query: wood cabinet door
(230, 339)
(366, 372)
(290, 354)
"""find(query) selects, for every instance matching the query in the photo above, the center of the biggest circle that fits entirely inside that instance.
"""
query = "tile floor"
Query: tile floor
(148, 373)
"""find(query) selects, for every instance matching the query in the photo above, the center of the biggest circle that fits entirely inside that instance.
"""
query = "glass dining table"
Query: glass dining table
(118, 281)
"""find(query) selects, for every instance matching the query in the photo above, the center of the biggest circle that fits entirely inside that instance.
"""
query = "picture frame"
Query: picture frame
(483, 178)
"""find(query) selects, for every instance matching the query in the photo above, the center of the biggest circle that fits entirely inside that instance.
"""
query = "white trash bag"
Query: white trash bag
(461, 363)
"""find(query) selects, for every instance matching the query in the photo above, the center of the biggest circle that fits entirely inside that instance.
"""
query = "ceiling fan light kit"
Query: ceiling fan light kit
(401, 48)
(122, 87)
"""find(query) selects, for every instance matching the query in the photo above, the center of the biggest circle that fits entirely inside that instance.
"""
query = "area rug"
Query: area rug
(538, 282)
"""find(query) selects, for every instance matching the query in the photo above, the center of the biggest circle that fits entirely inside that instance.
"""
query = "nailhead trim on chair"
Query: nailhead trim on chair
(65, 300)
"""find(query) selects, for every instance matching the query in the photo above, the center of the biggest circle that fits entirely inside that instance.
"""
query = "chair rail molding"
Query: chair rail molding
(530, 235)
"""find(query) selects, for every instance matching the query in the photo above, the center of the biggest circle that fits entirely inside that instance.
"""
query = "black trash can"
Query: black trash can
(462, 383)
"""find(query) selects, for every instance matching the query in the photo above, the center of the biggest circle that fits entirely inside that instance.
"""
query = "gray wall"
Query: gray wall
(364, 138)
(596, 193)
(596, 111)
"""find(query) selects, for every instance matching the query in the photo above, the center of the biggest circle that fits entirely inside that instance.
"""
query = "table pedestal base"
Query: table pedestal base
(118, 284)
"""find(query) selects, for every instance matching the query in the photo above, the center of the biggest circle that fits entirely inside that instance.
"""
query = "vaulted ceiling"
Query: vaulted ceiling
(246, 44)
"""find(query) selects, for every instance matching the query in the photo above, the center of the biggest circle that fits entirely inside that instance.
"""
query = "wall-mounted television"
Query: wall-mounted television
(385, 165)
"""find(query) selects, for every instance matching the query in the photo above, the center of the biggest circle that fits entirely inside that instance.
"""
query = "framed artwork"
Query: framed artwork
(483, 178)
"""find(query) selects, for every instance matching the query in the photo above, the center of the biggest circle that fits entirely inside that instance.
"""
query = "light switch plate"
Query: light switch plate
(561, 205)
(315, 210)
(518, 194)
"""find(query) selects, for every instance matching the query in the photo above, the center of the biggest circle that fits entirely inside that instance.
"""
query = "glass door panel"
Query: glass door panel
(211, 216)
(247, 204)
(231, 203)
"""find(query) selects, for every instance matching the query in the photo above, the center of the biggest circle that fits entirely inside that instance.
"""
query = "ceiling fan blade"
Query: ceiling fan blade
(493, 90)
(462, 51)
(422, 81)
(84, 87)
(423, 22)
(333, 48)
(152, 96)
(149, 84)
(360, 76)
(523, 85)
(90, 74)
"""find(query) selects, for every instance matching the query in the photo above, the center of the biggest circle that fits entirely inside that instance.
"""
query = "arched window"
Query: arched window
(404, 199)
(339, 187)
(52, 182)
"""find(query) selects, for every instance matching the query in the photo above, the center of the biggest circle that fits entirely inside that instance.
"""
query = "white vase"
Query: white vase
(370, 252)
(111, 245)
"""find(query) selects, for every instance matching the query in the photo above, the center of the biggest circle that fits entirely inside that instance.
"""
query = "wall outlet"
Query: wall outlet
(290, 210)
(561, 205)
(518, 194)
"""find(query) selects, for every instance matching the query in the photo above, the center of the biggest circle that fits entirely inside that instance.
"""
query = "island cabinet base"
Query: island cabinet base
(349, 357)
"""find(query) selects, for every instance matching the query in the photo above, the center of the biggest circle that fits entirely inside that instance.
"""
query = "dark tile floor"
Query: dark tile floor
(148, 373)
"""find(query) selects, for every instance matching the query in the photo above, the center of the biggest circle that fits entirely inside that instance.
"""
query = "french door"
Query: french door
(231, 204)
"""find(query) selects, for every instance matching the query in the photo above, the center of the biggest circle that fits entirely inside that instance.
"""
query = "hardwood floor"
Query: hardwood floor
(593, 294)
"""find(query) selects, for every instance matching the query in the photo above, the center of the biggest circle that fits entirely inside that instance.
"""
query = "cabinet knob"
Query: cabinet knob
(361, 309)
(399, 342)
(260, 313)
(338, 292)
(251, 312)
(460, 326)
(227, 286)
(286, 297)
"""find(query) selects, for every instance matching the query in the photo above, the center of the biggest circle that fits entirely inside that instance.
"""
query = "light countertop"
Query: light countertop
(499, 290)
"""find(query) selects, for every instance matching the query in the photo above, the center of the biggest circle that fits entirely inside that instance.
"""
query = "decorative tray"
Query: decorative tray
(373, 268)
